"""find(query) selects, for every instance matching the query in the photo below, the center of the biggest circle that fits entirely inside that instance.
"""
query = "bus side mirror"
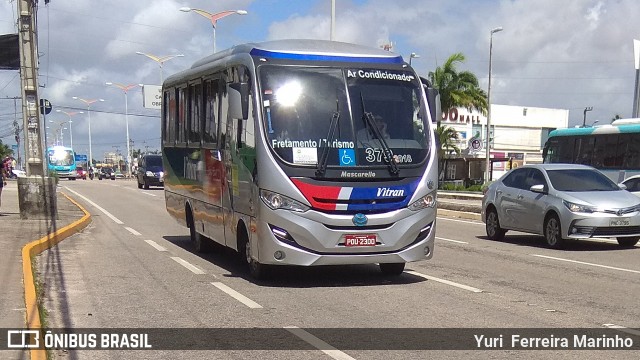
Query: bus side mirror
(238, 100)
(433, 99)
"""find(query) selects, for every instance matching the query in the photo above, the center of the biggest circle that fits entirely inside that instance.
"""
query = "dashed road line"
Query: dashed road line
(318, 343)
(586, 263)
(188, 265)
(132, 231)
(155, 245)
(443, 281)
(115, 219)
(450, 240)
(236, 295)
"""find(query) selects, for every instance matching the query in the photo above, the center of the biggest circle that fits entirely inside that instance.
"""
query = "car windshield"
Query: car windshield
(155, 161)
(576, 180)
(107, 169)
(300, 103)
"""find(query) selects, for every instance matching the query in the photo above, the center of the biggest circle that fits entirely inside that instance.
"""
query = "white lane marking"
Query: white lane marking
(146, 193)
(115, 219)
(447, 282)
(622, 328)
(586, 263)
(236, 295)
(155, 245)
(132, 231)
(188, 265)
(455, 241)
(462, 221)
(318, 344)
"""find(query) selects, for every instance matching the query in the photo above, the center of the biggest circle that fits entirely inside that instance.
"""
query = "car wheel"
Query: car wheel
(553, 232)
(628, 241)
(392, 268)
(257, 270)
(493, 229)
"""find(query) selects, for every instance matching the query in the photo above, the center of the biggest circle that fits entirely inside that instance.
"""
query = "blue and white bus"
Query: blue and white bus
(303, 152)
(62, 161)
(613, 149)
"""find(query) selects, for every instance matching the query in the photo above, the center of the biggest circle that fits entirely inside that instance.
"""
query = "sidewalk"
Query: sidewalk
(15, 233)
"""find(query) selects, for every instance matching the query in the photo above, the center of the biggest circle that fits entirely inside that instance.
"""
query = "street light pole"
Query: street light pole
(160, 60)
(125, 89)
(214, 18)
(88, 103)
(332, 33)
(70, 114)
(413, 56)
(488, 149)
(584, 118)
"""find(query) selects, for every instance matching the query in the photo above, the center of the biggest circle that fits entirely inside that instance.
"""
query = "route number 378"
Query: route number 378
(375, 155)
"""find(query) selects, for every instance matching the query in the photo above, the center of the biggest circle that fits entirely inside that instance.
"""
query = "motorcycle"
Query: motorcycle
(91, 175)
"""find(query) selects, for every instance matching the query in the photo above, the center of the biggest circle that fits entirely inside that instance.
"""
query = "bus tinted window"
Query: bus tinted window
(210, 131)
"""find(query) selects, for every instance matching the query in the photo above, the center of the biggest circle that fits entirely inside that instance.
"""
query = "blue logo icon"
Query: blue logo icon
(347, 157)
(360, 219)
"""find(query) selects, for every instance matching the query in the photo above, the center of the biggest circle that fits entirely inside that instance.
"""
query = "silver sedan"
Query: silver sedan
(561, 202)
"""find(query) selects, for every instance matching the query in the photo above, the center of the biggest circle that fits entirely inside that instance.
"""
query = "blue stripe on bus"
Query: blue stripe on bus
(317, 57)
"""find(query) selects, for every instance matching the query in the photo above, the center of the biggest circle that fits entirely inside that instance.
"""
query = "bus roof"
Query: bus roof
(626, 121)
(308, 49)
(604, 129)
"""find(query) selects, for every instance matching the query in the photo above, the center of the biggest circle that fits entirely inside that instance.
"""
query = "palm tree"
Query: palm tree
(457, 89)
(447, 137)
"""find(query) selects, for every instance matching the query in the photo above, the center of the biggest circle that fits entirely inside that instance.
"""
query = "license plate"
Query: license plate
(360, 240)
(619, 222)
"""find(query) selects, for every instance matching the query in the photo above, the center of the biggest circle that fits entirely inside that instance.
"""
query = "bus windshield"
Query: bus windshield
(61, 157)
(300, 103)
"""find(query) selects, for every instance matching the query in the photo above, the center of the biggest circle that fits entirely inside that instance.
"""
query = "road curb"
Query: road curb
(34, 248)
(459, 214)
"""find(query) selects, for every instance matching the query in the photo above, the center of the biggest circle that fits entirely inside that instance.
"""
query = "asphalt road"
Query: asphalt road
(133, 267)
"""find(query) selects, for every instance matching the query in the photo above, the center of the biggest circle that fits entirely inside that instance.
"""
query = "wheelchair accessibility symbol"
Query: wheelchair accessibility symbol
(347, 157)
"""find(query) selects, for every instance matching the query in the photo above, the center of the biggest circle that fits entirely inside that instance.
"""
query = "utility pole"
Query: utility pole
(36, 192)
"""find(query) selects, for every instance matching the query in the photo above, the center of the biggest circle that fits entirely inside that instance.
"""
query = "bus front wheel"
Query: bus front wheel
(257, 270)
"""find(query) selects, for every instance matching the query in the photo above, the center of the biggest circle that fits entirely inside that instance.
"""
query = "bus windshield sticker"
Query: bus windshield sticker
(305, 155)
(347, 157)
(379, 75)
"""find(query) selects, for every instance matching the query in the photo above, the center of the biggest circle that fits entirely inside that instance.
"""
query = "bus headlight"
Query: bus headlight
(277, 201)
(427, 201)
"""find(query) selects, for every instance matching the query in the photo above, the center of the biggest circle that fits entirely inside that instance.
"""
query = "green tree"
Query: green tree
(447, 139)
(457, 88)
(5, 150)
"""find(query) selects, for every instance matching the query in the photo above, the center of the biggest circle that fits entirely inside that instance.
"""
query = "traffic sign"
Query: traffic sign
(45, 107)
(475, 144)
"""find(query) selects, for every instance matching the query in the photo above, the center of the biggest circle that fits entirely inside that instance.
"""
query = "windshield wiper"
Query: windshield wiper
(387, 154)
(324, 157)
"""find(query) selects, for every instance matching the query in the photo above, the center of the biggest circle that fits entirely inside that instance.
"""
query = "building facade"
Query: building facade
(518, 134)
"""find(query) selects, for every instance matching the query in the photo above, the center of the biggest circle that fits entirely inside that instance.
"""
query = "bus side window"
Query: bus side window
(210, 125)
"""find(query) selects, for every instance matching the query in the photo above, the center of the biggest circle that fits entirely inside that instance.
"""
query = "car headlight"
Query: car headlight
(427, 201)
(149, 173)
(277, 201)
(577, 208)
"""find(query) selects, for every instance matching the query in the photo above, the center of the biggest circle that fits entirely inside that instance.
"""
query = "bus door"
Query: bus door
(228, 189)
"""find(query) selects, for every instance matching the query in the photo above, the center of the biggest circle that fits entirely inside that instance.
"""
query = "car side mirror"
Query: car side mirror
(538, 189)
(622, 186)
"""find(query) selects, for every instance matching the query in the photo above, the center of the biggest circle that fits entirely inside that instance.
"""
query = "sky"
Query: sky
(568, 54)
